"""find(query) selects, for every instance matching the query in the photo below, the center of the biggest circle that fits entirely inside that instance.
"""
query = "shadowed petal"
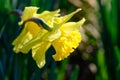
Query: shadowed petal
(63, 19)
(38, 53)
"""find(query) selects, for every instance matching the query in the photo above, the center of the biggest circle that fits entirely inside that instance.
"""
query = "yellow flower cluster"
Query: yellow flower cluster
(64, 36)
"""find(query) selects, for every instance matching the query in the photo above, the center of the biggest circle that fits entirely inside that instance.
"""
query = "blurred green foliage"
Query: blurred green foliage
(97, 57)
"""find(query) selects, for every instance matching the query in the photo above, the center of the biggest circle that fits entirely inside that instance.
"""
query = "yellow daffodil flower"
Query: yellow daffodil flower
(64, 36)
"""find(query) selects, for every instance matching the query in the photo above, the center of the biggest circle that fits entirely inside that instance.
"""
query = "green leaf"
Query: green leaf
(102, 73)
(75, 72)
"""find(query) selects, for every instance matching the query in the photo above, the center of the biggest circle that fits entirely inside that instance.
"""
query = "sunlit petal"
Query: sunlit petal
(33, 28)
(48, 15)
(28, 13)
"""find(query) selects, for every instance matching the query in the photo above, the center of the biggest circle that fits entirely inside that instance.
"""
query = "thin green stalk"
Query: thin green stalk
(102, 69)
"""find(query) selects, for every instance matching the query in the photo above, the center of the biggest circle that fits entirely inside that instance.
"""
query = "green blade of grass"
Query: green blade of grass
(102, 73)
(74, 74)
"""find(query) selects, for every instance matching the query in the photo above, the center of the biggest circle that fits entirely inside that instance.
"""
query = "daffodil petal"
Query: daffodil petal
(30, 30)
(54, 34)
(42, 36)
(72, 26)
(62, 20)
(36, 40)
(38, 53)
(33, 28)
(28, 13)
(21, 40)
(48, 15)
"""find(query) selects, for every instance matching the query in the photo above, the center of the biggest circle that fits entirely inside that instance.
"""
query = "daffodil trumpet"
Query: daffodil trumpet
(45, 29)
